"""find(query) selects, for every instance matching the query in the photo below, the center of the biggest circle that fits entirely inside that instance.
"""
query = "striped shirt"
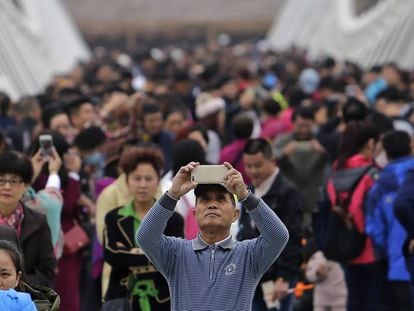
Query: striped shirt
(222, 276)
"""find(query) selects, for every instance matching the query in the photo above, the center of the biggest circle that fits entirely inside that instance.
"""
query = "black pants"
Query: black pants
(368, 287)
(402, 295)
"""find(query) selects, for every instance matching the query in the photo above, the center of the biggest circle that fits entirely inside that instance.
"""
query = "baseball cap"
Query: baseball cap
(201, 188)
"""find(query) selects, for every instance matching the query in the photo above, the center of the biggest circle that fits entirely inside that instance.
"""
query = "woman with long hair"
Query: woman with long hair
(366, 274)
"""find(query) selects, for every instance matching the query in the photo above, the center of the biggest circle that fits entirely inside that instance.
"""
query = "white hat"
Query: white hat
(207, 104)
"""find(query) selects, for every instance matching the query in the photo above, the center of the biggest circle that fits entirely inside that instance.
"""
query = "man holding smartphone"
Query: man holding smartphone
(212, 271)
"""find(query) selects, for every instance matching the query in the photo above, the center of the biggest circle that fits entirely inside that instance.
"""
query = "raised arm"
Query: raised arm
(273, 233)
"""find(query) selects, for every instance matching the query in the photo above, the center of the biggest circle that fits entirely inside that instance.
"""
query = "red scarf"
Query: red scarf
(14, 220)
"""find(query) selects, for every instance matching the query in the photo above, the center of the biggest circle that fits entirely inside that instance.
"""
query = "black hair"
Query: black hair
(9, 234)
(173, 109)
(397, 144)
(381, 122)
(13, 162)
(354, 110)
(181, 75)
(90, 138)
(197, 127)
(185, 151)
(271, 107)
(296, 97)
(354, 138)
(256, 145)
(74, 105)
(4, 103)
(306, 113)
(391, 94)
(328, 62)
(150, 108)
(15, 255)
(326, 83)
(376, 69)
(50, 111)
(242, 126)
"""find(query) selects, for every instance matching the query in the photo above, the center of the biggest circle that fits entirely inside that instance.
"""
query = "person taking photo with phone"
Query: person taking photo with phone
(212, 271)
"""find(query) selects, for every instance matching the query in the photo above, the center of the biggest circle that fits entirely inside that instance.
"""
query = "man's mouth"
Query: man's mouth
(211, 214)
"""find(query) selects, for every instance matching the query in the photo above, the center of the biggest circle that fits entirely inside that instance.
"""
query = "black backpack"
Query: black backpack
(334, 227)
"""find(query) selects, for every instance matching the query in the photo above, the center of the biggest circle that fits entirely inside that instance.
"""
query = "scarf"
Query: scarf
(14, 220)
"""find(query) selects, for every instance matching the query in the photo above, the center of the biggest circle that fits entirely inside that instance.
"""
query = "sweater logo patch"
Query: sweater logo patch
(230, 269)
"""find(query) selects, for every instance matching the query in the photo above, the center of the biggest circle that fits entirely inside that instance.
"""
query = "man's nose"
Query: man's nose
(212, 205)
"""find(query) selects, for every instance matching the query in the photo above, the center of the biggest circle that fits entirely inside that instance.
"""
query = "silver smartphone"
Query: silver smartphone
(209, 174)
(46, 145)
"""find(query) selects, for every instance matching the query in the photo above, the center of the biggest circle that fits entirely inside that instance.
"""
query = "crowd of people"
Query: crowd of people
(306, 136)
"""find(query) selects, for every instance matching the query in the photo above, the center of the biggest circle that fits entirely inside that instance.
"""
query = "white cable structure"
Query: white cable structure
(37, 40)
(383, 33)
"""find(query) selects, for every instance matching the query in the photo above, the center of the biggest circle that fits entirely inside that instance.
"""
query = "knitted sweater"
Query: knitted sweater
(222, 276)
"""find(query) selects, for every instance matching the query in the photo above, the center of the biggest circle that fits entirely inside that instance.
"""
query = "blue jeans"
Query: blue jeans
(368, 287)
(260, 305)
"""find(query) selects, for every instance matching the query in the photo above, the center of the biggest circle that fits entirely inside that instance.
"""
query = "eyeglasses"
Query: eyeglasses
(12, 182)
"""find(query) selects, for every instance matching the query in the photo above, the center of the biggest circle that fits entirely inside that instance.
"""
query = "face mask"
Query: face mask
(96, 164)
(381, 159)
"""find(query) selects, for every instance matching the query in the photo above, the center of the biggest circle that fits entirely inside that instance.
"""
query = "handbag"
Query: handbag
(74, 239)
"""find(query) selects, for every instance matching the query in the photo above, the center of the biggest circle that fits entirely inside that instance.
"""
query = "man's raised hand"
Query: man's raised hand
(234, 182)
(181, 182)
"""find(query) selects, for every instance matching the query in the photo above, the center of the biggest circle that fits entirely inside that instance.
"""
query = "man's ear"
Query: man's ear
(236, 214)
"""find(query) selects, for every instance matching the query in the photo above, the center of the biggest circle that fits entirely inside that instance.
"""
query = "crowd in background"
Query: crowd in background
(285, 122)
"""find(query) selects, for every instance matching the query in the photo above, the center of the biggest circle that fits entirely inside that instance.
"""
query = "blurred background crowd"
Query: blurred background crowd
(163, 103)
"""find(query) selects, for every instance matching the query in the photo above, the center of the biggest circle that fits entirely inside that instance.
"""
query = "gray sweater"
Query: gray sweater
(223, 276)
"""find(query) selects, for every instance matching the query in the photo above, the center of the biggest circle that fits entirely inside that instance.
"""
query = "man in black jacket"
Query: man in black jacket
(285, 200)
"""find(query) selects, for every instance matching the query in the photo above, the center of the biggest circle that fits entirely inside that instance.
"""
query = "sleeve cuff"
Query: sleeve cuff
(53, 181)
(167, 202)
(251, 202)
(74, 176)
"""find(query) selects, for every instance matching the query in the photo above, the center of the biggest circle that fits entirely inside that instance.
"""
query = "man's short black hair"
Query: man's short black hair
(50, 111)
(306, 113)
(391, 94)
(242, 126)
(150, 108)
(354, 110)
(397, 144)
(90, 138)
(13, 162)
(271, 107)
(74, 105)
(257, 145)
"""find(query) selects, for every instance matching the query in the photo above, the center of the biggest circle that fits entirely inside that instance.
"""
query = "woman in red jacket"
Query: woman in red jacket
(366, 275)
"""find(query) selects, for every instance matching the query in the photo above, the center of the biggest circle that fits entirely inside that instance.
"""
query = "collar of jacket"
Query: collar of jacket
(276, 187)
